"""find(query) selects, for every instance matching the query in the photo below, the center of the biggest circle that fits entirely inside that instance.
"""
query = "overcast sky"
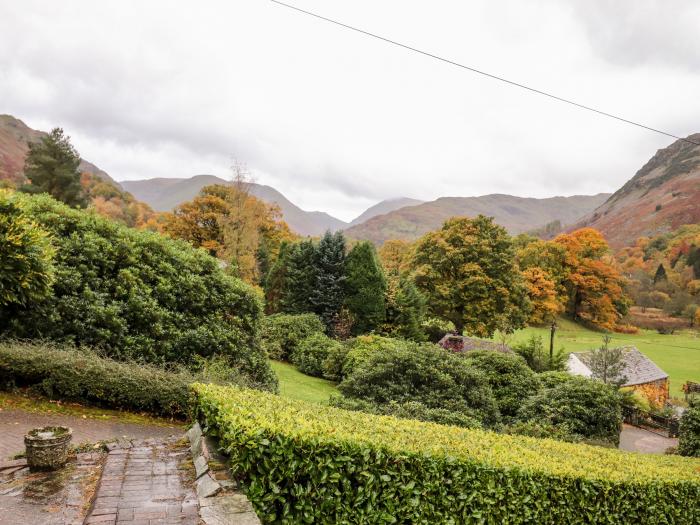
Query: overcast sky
(337, 121)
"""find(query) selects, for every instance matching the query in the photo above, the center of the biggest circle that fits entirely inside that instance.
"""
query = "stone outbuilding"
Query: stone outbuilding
(460, 343)
(641, 373)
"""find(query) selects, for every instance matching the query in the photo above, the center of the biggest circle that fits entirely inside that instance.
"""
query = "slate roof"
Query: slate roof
(639, 369)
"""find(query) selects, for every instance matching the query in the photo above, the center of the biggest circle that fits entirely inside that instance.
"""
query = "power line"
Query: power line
(484, 73)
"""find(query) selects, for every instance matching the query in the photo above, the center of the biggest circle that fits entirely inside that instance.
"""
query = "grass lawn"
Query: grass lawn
(678, 354)
(295, 385)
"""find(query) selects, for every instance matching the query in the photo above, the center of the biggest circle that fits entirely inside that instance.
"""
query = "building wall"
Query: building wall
(656, 391)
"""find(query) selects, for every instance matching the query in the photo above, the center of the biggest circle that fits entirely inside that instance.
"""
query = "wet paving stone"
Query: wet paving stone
(61, 497)
(150, 483)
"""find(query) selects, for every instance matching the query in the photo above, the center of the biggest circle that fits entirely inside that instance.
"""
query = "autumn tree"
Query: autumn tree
(232, 225)
(199, 221)
(468, 273)
(365, 286)
(542, 292)
(594, 286)
(395, 256)
(51, 167)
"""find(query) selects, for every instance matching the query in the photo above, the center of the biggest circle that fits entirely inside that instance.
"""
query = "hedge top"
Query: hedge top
(266, 415)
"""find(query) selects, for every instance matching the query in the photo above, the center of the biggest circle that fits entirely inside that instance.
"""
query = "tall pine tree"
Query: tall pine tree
(52, 167)
(300, 280)
(365, 287)
(328, 296)
(275, 280)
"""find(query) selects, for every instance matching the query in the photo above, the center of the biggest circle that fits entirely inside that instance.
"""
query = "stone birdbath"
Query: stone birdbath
(47, 447)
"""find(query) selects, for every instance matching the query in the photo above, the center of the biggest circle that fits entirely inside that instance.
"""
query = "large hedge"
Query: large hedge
(304, 463)
(65, 373)
(137, 294)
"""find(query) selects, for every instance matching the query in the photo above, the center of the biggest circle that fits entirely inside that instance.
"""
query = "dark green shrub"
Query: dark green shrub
(67, 373)
(282, 333)
(551, 379)
(138, 295)
(689, 437)
(424, 373)
(588, 408)
(311, 353)
(342, 361)
(511, 380)
(307, 463)
(408, 410)
(538, 358)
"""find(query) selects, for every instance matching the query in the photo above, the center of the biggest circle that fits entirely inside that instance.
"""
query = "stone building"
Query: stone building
(641, 373)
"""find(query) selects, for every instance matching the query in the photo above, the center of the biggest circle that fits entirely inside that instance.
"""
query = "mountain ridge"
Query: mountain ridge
(516, 214)
(663, 195)
(153, 192)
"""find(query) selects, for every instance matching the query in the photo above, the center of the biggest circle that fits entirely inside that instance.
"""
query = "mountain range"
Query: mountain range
(663, 195)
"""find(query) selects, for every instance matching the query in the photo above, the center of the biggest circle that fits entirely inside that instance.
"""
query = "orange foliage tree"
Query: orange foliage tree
(234, 226)
(594, 285)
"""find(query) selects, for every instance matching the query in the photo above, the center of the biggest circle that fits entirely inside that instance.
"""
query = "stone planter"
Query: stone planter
(47, 447)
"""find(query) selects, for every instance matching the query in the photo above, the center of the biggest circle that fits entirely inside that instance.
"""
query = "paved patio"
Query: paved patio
(15, 423)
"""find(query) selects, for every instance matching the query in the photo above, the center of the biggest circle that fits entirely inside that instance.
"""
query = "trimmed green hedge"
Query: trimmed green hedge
(305, 463)
(81, 376)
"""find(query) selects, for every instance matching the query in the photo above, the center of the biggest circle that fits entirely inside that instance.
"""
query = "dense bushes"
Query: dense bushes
(582, 406)
(282, 333)
(423, 373)
(26, 270)
(689, 437)
(137, 294)
(510, 378)
(343, 360)
(305, 463)
(312, 352)
(77, 375)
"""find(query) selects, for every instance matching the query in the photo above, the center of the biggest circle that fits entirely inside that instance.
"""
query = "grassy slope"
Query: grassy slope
(678, 355)
(295, 385)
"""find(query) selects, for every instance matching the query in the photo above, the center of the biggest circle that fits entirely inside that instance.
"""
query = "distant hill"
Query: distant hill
(516, 214)
(662, 196)
(383, 207)
(164, 194)
(15, 137)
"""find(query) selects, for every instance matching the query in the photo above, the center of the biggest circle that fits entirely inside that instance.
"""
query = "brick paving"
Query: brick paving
(149, 484)
(14, 424)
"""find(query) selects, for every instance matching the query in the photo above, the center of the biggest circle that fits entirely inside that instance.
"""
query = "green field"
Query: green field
(678, 354)
(295, 385)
